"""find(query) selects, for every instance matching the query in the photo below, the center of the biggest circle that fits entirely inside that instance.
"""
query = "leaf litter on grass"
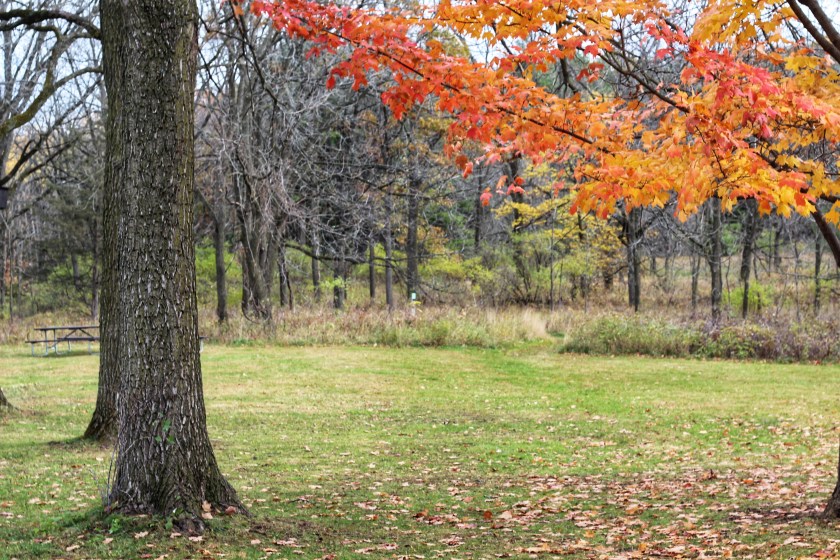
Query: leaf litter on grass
(501, 468)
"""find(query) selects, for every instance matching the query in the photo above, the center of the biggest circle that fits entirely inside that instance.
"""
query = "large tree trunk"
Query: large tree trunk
(105, 420)
(165, 462)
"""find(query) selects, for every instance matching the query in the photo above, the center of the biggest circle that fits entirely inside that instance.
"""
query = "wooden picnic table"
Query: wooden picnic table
(54, 335)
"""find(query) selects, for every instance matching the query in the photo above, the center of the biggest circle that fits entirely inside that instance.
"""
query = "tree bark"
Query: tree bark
(412, 274)
(750, 231)
(817, 271)
(714, 256)
(165, 462)
(372, 270)
(388, 240)
(105, 420)
(340, 284)
(632, 234)
(777, 242)
(285, 283)
(695, 281)
(221, 271)
(316, 267)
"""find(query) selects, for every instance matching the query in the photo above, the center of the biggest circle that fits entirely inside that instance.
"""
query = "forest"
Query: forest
(305, 193)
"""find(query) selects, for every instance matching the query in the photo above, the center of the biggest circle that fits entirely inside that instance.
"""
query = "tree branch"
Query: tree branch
(30, 18)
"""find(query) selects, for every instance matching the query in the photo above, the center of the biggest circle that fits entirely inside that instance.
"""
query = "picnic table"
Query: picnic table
(51, 337)
(54, 335)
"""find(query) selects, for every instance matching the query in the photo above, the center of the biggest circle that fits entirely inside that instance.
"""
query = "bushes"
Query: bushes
(631, 335)
(781, 341)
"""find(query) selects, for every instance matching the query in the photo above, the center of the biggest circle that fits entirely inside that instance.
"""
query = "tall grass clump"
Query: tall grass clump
(616, 334)
(763, 339)
(404, 327)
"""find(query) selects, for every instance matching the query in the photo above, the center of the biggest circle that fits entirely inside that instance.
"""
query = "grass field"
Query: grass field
(367, 452)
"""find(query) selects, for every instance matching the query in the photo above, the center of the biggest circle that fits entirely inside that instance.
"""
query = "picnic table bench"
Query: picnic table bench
(51, 337)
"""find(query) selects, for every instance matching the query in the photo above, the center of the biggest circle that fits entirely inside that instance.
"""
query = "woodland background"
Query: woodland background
(310, 199)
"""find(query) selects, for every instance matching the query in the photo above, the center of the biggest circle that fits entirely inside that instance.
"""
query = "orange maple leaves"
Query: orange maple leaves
(745, 116)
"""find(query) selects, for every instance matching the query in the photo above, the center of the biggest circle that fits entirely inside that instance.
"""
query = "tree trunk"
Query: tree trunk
(750, 231)
(3, 261)
(105, 420)
(777, 241)
(412, 275)
(817, 267)
(340, 284)
(74, 266)
(695, 281)
(372, 270)
(316, 267)
(286, 297)
(389, 251)
(714, 256)
(165, 462)
(221, 271)
(632, 234)
(477, 219)
(95, 279)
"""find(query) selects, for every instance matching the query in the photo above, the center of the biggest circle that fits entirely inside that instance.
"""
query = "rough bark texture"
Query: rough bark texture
(105, 420)
(165, 462)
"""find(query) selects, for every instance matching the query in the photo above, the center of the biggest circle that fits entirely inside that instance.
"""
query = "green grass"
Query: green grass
(448, 453)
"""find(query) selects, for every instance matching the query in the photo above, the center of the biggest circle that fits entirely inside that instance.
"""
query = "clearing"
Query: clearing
(366, 452)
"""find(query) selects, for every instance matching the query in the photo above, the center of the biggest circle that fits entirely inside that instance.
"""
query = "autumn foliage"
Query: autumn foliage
(753, 109)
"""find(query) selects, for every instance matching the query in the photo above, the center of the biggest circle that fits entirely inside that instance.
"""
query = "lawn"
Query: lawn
(367, 452)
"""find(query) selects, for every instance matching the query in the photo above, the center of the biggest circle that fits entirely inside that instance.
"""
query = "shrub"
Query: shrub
(767, 340)
(631, 335)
